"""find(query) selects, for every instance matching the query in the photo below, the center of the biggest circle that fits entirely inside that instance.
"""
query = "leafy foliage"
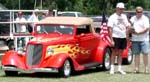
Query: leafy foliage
(90, 7)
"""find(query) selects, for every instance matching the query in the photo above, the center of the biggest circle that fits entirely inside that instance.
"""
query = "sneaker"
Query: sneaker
(111, 72)
(121, 72)
(136, 71)
(146, 71)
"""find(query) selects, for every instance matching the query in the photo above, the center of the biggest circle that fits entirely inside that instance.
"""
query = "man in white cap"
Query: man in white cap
(118, 29)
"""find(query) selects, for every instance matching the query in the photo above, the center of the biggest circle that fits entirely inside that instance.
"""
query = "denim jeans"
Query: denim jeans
(139, 47)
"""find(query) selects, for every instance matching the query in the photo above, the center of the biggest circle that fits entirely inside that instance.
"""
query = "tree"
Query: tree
(90, 7)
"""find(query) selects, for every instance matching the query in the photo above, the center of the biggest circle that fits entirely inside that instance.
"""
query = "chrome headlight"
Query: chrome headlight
(50, 51)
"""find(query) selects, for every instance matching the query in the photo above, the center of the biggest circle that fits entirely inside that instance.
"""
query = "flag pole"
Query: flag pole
(41, 3)
(34, 4)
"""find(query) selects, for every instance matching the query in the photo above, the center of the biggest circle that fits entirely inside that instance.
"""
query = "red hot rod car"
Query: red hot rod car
(62, 45)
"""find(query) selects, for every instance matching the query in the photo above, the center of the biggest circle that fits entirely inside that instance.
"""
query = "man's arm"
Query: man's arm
(142, 31)
(110, 34)
(128, 33)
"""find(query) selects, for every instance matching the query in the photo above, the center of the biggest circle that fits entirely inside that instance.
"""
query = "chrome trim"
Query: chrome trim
(8, 68)
(55, 70)
(52, 70)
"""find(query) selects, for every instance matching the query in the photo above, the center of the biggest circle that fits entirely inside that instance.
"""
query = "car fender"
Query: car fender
(125, 51)
(12, 58)
(57, 61)
(99, 55)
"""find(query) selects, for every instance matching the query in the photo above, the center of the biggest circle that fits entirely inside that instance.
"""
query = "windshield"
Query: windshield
(62, 29)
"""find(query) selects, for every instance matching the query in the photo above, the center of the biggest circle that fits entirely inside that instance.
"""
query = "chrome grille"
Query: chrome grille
(34, 54)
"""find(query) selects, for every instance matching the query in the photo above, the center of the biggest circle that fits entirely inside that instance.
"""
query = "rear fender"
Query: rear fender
(11, 58)
(125, 51)
(100, 51)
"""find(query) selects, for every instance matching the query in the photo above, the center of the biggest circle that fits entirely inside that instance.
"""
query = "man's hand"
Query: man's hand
(112, 43)
(131, 30)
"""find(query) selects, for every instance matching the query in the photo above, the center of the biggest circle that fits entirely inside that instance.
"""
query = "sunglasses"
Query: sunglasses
(139, 12)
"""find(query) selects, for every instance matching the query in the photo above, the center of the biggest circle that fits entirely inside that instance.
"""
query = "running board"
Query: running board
(93, 64)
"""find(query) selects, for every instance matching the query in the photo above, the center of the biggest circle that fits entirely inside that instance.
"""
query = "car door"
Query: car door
(87, 42)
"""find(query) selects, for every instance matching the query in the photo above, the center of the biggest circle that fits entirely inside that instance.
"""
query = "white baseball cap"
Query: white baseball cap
(120, 5)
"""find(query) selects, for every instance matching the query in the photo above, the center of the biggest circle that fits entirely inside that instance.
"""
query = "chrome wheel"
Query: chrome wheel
(129, 59)
(130, 56)
(106, 60)
(66, 69)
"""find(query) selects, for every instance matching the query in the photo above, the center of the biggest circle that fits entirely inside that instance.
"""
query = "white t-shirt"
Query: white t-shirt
(20, 27)
(119, 24)
(138, 25)
(33, 18)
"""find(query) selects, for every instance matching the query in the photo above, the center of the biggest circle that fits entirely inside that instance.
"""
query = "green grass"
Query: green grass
(90, 75)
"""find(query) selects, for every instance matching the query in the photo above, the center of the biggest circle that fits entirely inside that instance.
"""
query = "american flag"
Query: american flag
(104, 34)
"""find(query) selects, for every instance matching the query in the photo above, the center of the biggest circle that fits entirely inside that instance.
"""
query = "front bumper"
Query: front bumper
(10, 68)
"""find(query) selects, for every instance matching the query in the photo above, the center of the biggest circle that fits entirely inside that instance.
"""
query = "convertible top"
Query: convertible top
(66, 20)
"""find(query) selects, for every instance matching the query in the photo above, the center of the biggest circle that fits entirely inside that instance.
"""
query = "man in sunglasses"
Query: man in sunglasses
(140, 38)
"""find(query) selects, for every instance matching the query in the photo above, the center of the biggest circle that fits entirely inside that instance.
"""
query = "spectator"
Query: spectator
(21, 28)
(140, 38)
(34, 18)
(118, 29)
(20, 20)
(50, 13)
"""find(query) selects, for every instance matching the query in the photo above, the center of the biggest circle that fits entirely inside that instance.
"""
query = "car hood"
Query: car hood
(51, 38)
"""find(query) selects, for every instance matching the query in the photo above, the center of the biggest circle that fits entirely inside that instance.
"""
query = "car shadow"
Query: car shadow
(56, 75)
